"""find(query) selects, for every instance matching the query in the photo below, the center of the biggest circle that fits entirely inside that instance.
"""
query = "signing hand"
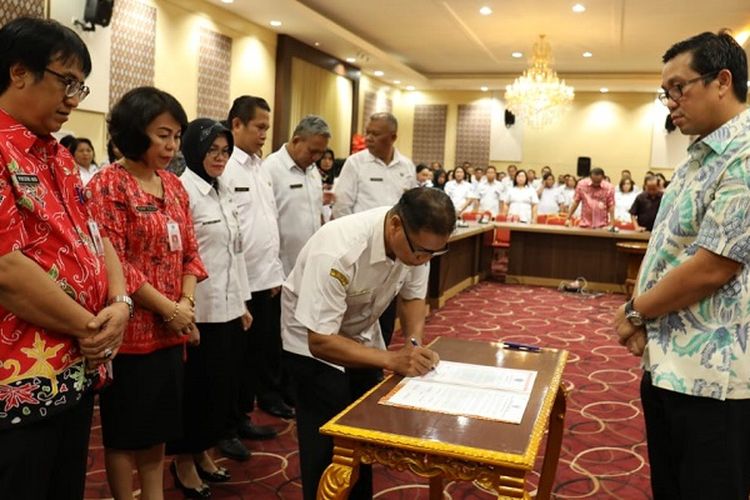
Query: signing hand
(106, 329)
(412, 361)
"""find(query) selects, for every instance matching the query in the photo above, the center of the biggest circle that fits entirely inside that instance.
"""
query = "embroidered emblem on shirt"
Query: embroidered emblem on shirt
(339, 276)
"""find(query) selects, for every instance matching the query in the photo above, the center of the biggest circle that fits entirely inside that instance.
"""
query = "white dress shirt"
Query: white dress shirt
(299, 201)
(88, 174)
(343, 281)
(367, 182)
(459, 192)
(220, 297)
(623, 202)
(253, 193)
(549, 201)
(520, 200)
(490, 195)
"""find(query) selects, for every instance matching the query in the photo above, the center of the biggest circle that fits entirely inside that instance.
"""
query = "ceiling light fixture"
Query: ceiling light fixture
(410, 87)
(317, 44)
(538, 96)
(587, 54)
(351, 59)
(604, 90)
(484, 88)
(517, 55)
(396, 82)
(578, 8)
(485, 11)
(275, 24)
(227, 1)
(378, 73)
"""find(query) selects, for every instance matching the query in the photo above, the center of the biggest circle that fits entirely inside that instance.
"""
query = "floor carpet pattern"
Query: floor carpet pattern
(604, 447)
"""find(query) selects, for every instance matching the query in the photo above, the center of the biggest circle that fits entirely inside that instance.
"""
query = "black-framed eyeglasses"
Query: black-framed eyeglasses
(677, 91)
(420, 251)
(73, 87)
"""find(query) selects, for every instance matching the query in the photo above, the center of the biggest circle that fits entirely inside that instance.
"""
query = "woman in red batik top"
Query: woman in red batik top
(144, 211)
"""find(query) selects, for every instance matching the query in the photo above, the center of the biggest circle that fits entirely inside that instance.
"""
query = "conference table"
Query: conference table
(542, 254)
(442, 447)
(467, 263)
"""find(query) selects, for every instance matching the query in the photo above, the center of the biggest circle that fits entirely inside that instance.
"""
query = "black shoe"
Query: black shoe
(220, 475)
(257, 432)
(234, 449)
(278, 409)
(203, 492)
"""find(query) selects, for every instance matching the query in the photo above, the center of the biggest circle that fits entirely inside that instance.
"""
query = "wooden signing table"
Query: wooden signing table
(545, 255)
(495, 455)
(466, 264)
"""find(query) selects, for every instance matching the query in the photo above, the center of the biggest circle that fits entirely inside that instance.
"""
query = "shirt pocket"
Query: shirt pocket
(359, 304)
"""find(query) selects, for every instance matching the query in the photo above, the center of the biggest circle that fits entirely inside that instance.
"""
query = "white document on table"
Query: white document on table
(480, 391)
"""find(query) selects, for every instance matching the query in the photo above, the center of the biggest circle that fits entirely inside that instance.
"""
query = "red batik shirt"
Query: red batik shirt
(596, 203)
(43, 215)
(136, 224)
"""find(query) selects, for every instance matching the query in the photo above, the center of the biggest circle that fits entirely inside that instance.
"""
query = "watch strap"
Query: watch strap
(125, 299)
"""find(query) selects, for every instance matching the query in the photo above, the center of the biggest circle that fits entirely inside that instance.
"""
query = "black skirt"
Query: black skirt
(211, 386)
(143, 406)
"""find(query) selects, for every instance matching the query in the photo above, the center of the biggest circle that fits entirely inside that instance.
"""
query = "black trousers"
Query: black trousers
(47, 459)
(322, 392)
(699, 448)
(261, 379)
(211, 386)
(387, 321)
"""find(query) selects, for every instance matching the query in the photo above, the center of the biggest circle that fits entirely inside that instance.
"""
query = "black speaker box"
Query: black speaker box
(584, 166)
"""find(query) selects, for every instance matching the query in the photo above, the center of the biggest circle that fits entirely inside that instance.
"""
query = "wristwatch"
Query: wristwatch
(635, 318)
(125, 299)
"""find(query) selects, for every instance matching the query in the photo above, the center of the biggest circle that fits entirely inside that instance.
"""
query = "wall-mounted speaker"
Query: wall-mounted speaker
(584, 166)
(510, 118)
(96, 13)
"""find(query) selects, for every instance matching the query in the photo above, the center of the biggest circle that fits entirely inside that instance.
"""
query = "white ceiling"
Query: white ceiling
(448, 44)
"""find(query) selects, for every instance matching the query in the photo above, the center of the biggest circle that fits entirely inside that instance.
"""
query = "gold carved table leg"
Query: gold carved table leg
(340, 476)
(554, 443)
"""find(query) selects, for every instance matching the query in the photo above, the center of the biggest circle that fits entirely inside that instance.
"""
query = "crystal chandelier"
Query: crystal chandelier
(538, 96)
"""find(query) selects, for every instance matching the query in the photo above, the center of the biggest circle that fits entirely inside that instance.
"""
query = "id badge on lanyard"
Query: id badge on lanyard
(175, 240)
(96, 237)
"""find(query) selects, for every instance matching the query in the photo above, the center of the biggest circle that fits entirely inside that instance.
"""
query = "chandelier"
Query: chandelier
(538, 96)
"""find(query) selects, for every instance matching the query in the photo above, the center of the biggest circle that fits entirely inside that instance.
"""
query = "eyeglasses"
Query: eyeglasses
(420, 251)
(216, 152)
(73, 87)
(677, 91)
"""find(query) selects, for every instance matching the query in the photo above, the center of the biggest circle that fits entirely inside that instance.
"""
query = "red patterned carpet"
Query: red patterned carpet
(604, 450)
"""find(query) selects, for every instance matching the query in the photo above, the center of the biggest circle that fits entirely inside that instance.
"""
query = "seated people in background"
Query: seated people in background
(327, 176)
(501, 176)
(439, 178)
(490, 194)
(625, 174)
(646, 205)
(663, 182)
(550, 197)
(460, 191)
(342, 281)
(545, 170)
(512, 169)
(521, 200)
(424, 175)
(113, 153)
(477, 177)
(568, 192)
(467, 166)
(67, 142)
(435, 166)
(83, 151)
(597, 198)
(624, 198)
(533, 181)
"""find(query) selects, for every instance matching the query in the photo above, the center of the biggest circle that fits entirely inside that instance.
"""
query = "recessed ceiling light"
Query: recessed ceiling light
(484, 88)
(396, 82)
(275, 24)
(227, 1)
(410, 87)
(317, 44)
(578, 8)
(517, 55)
(587, 54)
(485, 11)
(604, 90)
(351, 59)
(378, 73)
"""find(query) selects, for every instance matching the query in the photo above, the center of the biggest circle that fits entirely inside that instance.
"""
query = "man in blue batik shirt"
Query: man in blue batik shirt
(691, 313)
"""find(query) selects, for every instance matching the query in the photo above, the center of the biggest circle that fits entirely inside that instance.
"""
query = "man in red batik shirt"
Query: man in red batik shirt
(598, 197)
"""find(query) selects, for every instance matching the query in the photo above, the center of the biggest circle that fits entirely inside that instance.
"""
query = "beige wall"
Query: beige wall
(614, 129)
(178, 26)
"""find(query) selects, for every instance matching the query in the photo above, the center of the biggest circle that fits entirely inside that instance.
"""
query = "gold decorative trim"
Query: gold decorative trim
(523, 461)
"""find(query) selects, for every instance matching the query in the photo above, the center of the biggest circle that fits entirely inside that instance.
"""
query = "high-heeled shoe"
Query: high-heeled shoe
(203, 492)
(220, 475)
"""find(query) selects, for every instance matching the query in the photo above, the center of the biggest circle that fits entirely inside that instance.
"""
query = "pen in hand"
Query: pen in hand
(416, 344)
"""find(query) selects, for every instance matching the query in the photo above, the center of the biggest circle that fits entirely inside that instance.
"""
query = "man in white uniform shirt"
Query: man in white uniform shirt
(249, 120)
(490, 193)
(298, 187)
(375, 177)
(344, 278)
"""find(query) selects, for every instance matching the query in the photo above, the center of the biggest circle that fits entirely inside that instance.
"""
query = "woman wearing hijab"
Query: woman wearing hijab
(220, 314)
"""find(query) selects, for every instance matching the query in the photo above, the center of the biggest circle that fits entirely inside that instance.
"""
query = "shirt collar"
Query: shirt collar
(23, 138)
(720, 139)
(288, 161)
(245, 159)
(203, 187)
(395, 160)
(377, 241)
